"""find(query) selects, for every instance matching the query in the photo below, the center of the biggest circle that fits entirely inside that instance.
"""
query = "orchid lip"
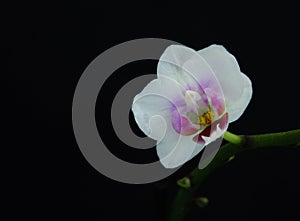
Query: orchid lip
(209, 130)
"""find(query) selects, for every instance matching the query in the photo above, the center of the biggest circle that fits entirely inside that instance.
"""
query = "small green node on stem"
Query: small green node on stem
(230, 158)
(202, 202)
(185, 183)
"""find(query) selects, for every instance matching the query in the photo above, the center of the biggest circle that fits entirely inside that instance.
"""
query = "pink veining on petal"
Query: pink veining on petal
(182, 124)
(218, 104)
(222, 122)
(217, 101)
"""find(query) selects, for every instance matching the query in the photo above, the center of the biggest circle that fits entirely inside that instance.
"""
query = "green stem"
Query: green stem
(184, 196)
(232, 138)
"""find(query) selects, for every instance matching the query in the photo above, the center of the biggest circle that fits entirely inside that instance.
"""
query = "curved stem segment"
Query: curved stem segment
(239, 143)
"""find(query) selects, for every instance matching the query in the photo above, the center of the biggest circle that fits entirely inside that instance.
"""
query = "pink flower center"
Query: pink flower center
(199, 112)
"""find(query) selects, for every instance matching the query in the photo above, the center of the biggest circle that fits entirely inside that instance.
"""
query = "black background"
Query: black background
(47, 48)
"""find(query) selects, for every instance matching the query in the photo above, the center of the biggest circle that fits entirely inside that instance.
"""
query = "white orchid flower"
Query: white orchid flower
(192, 101)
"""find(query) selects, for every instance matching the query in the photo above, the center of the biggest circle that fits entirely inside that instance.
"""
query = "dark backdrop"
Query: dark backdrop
(48, 48)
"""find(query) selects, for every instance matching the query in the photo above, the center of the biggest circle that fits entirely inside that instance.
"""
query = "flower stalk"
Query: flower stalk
(184, 196)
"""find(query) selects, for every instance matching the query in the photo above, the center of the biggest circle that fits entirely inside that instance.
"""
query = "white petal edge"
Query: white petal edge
(171, 62)
(237, 108)
(174, 149)
(209, 153)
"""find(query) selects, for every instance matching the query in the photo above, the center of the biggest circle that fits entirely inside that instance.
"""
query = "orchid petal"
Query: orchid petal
(209, 153)
(188, 68)
(170, 65)
(237, 108)
(175, 149)
(235, 85)
(159, 98)
(213, 132)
